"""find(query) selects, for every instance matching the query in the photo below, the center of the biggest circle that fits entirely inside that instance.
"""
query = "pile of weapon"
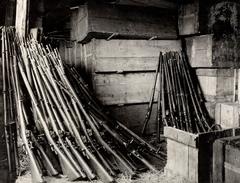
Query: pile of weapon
(64, 129)
(180, 101)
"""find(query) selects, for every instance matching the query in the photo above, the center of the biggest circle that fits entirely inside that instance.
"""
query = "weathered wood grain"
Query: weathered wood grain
(191, 156)
(227, 115)
(217, 85)
(98, 20)
(123, 88)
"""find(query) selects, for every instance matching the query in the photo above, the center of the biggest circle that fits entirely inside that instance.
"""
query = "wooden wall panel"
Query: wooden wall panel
(127, 55)
(101, 21)
(217, 84)
(119, 71)
(123, 89)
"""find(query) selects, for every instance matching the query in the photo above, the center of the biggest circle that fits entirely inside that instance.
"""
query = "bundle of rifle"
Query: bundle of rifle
(180, 101)
(64, 129)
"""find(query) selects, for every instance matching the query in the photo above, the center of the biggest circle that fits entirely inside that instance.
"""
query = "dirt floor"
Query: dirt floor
(143, 178)
(148, 177)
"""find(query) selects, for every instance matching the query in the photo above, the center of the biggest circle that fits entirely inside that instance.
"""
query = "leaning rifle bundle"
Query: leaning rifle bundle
(64, 129)
(179, 98)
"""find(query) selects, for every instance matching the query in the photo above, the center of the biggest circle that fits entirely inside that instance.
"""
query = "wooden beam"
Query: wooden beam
(166, 4)
(21, 17)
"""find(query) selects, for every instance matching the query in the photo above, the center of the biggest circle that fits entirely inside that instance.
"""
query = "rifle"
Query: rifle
(169, 94)
(97, 112)
(53, 119)
(74, 126)
(35, 170)
(66, 165)
(200, 116)
(182, 93)
(149, 110)
(7, 125)
(70, 124)
(91, 123)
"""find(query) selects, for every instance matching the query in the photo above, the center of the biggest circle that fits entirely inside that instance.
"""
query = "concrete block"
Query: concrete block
(227, 115)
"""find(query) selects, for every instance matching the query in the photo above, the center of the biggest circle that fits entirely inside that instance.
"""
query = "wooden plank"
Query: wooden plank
(134, 48)
(127, 55)
(214, 72)
(227, 115)
(231, 164)
(180, 136)
(199, 160)
(208, 85)
(116, 64)
(21, 17)
(221, 155)
(193, 164)
(123, 88)
(230, 174)
(199, 50)
(155, 3)
(210, 137)
(216, 84)
(232, 156)
(177, 158)
(188, 20)
(101, 21)
(218, 161)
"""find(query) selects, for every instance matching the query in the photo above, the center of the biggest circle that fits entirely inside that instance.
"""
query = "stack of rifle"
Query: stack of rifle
(9, 117)
(180, 101)
(65, 130)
